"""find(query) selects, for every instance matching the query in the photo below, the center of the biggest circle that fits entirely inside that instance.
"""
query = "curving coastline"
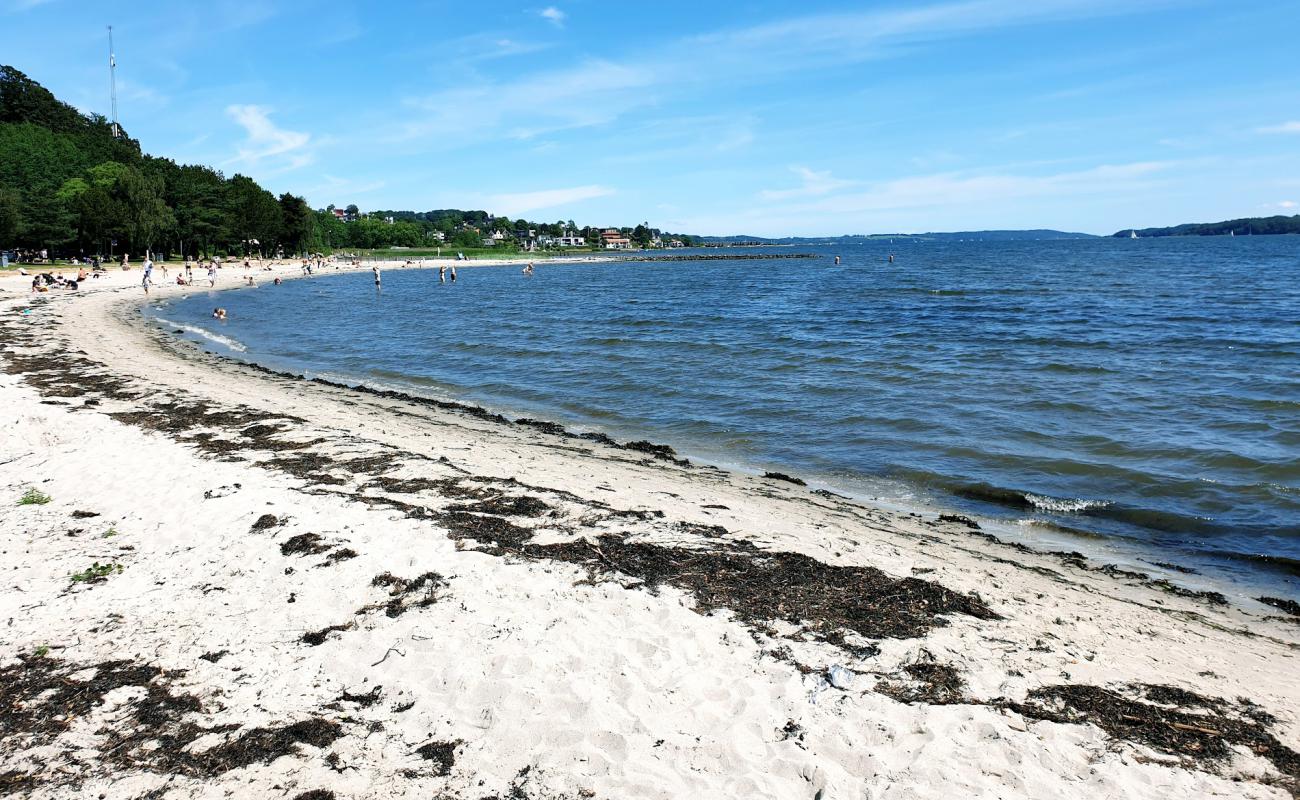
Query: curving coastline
(388, 596)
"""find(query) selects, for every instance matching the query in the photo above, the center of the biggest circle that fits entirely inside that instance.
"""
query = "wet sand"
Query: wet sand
(250, 584)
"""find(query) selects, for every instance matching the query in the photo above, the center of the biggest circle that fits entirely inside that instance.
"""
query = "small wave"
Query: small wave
(1064, 506)
(224, 341)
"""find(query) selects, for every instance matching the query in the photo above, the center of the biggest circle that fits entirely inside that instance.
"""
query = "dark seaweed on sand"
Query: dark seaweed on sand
(405, 594)
(1289, 606)
(929, 683)
(781, 476)
(441, 754)
(317, 638)
(304, 544)
(756, 585)
(1204, 738)
(40, 699)
(506, 506)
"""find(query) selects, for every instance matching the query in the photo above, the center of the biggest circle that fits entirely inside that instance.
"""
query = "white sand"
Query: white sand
(553, 682)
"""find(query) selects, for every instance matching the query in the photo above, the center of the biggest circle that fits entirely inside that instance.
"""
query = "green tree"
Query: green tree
(297, 225)
(252, 215)
(11, 219)
(147, 217)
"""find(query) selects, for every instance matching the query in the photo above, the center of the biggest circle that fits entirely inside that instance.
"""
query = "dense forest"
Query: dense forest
(69, 186)
(1250, 226)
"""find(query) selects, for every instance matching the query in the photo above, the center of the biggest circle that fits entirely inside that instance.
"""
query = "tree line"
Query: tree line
(68, 186)
(1248, 226)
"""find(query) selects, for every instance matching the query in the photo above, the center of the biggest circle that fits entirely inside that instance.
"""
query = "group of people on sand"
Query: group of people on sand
(46, 281)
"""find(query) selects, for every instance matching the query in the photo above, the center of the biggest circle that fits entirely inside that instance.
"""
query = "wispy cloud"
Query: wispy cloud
(815, 184)
(265, 141)
(589, 94)
(553, 15)
(1292, 126)
(335, 189)
(521, 202)
(24, 5)
(952, 199)
(948, 189)
(599, 91)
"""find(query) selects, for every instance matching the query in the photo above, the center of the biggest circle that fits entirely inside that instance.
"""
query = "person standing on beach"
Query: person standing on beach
(189, 272)
(148, 274)
(212, 274)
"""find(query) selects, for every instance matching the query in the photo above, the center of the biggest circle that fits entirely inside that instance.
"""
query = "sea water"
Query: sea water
(1143, 391)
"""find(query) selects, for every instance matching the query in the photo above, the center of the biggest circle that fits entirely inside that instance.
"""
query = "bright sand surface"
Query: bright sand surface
(601, 622)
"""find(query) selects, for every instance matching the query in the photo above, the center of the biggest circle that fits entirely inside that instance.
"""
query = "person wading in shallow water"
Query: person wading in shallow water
(453, 274)
(375, 269)
(442, 274)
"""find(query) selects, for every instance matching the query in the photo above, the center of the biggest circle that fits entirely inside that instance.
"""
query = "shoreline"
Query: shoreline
(1240, 573)
(562, 616)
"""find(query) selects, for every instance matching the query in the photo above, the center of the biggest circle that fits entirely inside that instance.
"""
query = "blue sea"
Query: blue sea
(1143, 395)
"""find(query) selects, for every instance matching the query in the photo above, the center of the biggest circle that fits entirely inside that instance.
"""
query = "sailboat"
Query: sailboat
(1132, 234)
(1232, 233)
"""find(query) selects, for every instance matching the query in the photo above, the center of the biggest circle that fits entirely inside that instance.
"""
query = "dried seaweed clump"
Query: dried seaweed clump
(929, 683)
(442, 754)
(154, 729)
(405, 594)
(756, 585)
(1162, 718)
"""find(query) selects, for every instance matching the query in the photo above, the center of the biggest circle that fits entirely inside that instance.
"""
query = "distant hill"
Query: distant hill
(1261, 226)
(978, 236)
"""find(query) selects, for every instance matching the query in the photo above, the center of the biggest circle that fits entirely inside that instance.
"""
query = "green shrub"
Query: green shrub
(34, 497)
(96, 572)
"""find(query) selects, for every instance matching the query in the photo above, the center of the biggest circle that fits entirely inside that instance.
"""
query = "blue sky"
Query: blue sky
(766, 118)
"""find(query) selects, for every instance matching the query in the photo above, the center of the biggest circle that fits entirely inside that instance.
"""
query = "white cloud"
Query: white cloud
(521, 202)
(814, 184)
(1292, 126)
(946, 201)
(554, 15)
(1285, 204)
(592, 93)
(25, 5)
(951, 189)
(266, 141)
(596, 92)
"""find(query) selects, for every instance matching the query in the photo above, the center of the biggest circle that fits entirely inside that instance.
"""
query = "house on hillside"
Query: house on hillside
(571, 241)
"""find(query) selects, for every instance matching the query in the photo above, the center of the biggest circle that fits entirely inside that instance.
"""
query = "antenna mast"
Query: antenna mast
(112, 79)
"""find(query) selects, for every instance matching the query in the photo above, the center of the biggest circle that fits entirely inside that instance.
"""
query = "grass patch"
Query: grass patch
(96, 573)
(34, 497)
(110, 533)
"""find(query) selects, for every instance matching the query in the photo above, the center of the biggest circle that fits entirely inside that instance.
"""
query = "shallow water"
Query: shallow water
(1143, 390)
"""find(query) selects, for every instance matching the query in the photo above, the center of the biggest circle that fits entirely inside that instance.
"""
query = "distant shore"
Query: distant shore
(304, 587)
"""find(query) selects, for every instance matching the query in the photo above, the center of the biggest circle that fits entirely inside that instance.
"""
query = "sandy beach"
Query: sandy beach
(247, 584)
